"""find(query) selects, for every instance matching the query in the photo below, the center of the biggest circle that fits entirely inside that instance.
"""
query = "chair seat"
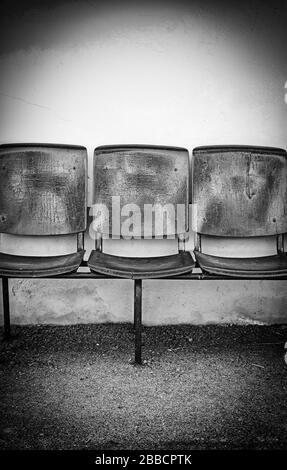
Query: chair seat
(36, 266)
(265, 266)
(140, 268)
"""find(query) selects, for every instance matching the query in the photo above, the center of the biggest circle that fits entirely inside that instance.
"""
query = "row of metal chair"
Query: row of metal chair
(236, 192)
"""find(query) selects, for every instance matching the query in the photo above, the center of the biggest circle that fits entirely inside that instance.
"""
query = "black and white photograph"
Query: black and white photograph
(143, 232)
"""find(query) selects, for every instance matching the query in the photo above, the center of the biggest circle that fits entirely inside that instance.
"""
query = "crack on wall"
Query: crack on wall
(37, 105)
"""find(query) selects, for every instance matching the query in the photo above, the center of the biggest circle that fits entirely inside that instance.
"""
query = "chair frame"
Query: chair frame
(279, 237)
(196, 275)
(138, 289)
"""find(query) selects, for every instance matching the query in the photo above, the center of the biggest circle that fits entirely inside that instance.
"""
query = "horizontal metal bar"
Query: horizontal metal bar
(182, 277)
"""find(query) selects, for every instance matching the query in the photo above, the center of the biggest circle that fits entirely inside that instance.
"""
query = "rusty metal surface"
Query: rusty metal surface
(141, 268)
(42, 189)
(264, 267)
(38, 266)
(240, 191)
(142, 175)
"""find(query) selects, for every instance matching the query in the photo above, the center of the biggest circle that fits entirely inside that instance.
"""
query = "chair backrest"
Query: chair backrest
(239, 191)
(42, 189)
(145, 176)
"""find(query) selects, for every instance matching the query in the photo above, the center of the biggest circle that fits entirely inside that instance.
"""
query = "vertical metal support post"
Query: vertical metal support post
(280, 244)
(6, 308)
(181, 245)
(98, 242)
(138, 320)
(80, 241)
(197, 242)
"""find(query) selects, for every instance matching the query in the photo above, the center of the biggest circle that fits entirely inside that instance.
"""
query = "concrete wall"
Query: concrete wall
(176, 73)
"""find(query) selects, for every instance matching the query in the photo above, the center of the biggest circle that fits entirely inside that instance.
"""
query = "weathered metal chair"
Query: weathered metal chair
(154, 181)
(240, 191)
(42, 192)
(143, 178)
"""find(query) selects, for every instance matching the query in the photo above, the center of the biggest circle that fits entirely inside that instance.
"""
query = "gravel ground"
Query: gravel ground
(208, 387)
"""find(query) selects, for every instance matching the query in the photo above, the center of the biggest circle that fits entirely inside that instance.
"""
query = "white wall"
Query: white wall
(175, 73)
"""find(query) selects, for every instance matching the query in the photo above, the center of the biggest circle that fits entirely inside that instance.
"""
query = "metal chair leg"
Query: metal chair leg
(138, 320)
(6, 307)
